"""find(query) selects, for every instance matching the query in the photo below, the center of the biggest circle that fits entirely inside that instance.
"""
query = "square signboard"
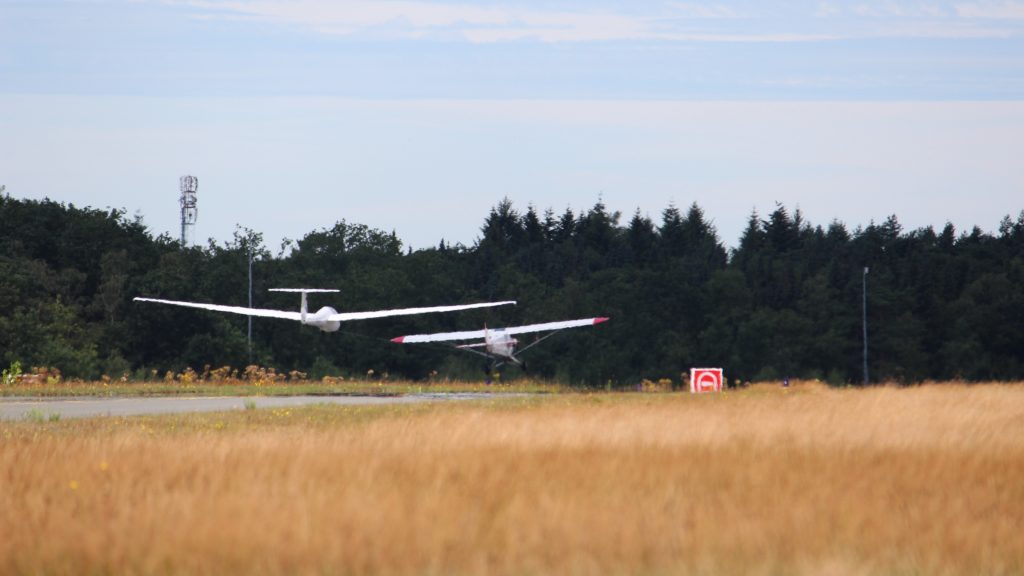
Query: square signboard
(705, 380)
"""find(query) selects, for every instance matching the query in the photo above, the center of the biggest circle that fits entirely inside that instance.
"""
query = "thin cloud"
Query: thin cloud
(892, 10)
(949, 30)
(703, 11)
(418, 19)
(908, 20)
(883, 10)
(828, 10)
(991, 10)
(671, 22)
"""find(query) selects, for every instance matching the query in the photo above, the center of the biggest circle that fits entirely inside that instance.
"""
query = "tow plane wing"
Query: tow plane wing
(511, 331)
(499, 344)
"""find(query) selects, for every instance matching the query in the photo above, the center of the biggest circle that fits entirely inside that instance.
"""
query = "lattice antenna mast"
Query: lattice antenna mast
(189, 211)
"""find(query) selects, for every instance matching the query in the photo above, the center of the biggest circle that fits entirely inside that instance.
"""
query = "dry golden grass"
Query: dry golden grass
(926, 480)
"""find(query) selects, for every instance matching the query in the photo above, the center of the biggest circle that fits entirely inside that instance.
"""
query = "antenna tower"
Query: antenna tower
(189, 211)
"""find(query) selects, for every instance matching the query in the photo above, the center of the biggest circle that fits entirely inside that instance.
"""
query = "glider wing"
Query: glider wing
(232, 309)
(336, 317)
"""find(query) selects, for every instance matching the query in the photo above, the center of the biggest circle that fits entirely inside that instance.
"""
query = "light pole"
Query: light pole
(250, 305)
(864, 294)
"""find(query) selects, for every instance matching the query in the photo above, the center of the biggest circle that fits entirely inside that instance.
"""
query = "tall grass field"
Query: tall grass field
(806, 480)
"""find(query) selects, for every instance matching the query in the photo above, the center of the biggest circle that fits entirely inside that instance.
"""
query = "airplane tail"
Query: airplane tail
(304, 291)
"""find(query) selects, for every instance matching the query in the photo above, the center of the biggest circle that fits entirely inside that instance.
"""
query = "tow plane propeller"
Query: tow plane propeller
(499, 344)
(327, 319)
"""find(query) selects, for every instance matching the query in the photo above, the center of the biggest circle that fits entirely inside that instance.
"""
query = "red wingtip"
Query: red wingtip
(599, 320)
(398, 340)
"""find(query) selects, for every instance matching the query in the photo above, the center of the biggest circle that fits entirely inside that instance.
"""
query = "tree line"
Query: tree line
(786, 302)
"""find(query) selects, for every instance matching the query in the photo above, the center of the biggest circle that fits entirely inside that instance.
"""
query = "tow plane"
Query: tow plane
(326, 318)
(499, 344)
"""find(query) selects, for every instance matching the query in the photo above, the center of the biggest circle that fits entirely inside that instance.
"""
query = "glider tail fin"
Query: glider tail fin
(304, 291)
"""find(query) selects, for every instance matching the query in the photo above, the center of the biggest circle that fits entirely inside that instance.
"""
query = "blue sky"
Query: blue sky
(419, 116)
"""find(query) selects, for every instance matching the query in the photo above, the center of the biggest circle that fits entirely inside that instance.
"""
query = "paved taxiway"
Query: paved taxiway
(21, 408)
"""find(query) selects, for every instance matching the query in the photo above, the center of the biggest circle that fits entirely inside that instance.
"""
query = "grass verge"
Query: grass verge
(301, 388)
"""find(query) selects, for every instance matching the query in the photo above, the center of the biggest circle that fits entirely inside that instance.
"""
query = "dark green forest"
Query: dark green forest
(786, 302)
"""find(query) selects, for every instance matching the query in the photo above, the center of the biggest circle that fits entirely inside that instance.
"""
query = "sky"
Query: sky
(419, 116)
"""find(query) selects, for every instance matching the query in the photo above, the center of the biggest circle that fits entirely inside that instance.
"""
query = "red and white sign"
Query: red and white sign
(705, 380)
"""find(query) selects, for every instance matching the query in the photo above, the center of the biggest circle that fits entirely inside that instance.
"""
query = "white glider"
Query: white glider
(327, 319)
(498, 343)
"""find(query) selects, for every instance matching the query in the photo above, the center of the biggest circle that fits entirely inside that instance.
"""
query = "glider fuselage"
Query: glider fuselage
(321, 319)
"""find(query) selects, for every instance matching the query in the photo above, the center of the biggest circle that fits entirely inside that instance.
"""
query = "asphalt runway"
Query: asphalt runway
(21, 408)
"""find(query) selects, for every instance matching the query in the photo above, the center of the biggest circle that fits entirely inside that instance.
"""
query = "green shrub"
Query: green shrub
(12, 374)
